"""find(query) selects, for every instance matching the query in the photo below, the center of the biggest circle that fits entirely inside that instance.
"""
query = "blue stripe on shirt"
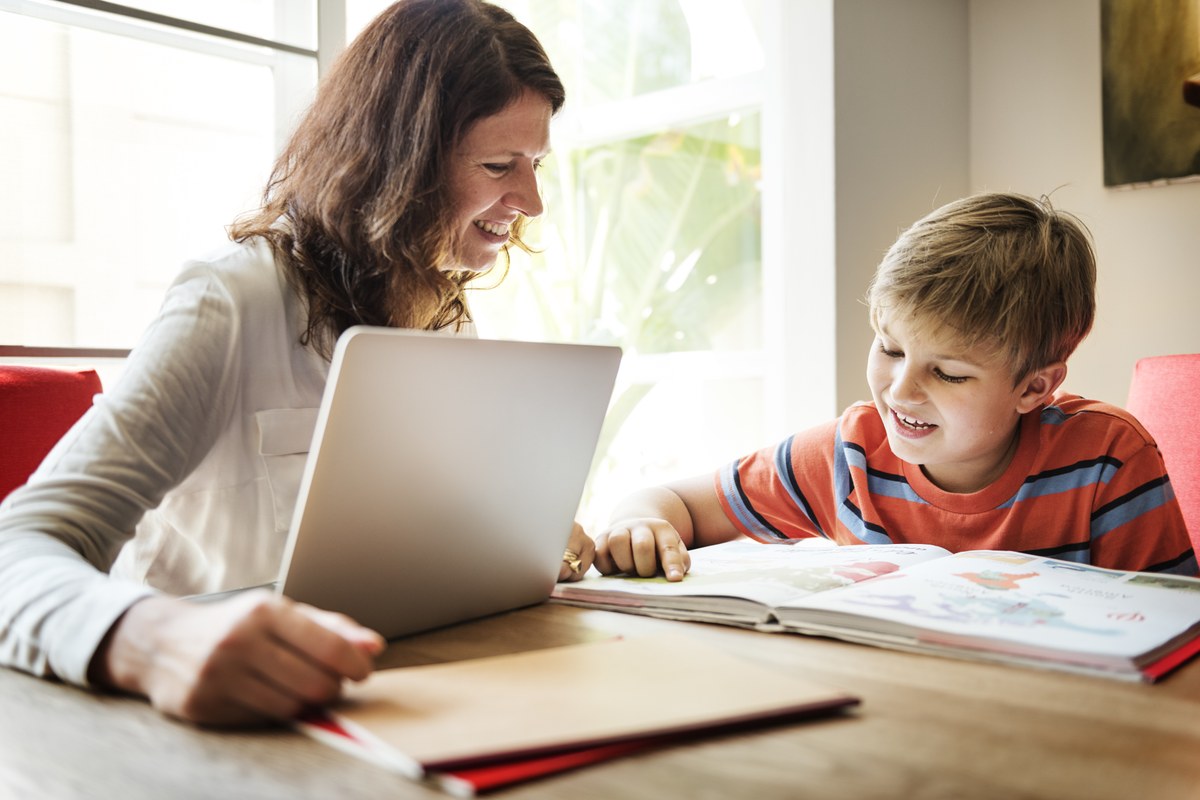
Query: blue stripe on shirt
(1081, 553)
(845, 456)
(1077, 552)
(885, 484)
(787, 476)
(1066, 479)
(1128, 507)
(1184, 564)
(1053, 415)
(747, 517)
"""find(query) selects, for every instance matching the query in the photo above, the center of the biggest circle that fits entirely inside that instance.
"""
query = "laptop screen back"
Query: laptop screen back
(444, 476)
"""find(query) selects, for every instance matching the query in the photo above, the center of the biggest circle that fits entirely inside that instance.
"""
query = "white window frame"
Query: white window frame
(293, 88)
(645, 114)
(794, 95)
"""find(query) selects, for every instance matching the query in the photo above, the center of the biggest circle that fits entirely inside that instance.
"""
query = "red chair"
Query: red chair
(1165, 397)
(37, 406)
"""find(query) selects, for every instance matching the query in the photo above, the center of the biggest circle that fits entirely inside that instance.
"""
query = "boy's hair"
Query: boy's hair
(1004, 271)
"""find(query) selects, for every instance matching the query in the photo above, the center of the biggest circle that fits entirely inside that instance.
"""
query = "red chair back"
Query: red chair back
(37, 406)
(1165, 397)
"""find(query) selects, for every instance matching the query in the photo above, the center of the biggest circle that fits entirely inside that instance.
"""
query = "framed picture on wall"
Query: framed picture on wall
(1150, 59)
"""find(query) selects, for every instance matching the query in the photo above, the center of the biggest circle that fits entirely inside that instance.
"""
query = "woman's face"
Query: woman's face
(952, 410)
(493, 178)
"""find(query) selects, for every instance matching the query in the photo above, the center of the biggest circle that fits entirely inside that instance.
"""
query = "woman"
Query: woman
(413, 170)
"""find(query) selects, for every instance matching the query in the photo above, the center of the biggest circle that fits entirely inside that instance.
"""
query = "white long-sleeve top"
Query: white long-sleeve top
(198, 449)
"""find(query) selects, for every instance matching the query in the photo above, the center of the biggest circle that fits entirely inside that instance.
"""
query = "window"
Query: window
(129, 143)
(651, 238)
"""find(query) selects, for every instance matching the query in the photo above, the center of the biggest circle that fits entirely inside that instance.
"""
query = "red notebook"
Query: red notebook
(473, 726)
(468, 781)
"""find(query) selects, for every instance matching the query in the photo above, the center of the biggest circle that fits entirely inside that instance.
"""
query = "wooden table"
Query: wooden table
(927, 728)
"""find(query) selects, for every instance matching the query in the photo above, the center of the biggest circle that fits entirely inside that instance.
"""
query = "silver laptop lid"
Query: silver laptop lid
(444, 475)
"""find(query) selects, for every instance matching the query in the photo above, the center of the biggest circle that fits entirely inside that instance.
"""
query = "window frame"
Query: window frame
(292, 89)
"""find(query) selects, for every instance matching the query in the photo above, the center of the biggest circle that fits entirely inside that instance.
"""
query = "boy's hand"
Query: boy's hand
(253, 658)
(639, 546)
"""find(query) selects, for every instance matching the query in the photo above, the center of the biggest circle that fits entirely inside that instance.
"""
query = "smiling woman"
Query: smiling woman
(184, 479)
(494, 176)
(380, 216)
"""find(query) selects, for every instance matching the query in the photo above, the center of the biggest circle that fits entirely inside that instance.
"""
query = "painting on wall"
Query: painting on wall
(1150, 58)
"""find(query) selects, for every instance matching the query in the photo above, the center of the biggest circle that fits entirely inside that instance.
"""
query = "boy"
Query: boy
(976, 309)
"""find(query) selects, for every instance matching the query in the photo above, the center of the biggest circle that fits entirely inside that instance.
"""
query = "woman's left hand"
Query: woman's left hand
(581, 550)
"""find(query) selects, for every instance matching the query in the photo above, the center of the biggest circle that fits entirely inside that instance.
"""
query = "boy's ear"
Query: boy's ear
(1039, 385)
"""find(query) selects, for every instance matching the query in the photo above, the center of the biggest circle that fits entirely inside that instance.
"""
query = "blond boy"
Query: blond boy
(966, 444)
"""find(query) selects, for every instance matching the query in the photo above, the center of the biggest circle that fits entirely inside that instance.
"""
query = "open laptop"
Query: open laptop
(444, 476)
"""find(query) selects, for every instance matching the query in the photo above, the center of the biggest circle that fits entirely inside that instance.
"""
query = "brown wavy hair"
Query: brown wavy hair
(357, 207)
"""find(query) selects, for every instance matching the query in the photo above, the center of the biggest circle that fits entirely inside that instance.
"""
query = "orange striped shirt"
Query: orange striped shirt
(1086, 484)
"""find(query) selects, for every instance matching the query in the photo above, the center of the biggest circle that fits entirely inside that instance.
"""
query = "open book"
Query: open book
(476, 725)
(990, 605)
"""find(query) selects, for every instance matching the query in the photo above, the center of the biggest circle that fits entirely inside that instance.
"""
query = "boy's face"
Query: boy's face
(951, 410)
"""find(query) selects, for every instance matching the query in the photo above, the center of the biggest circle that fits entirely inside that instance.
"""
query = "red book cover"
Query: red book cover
(474, 726)
(470, 781)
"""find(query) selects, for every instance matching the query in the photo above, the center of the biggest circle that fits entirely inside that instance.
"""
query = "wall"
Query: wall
(934, 99)
(901, 112)
(1035, 127)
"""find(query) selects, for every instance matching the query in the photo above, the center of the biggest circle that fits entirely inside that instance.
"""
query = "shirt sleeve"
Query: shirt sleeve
(60, 533)
(776, 493)
(1136, 519)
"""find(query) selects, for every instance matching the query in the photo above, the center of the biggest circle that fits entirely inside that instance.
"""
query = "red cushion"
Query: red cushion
(37, 406)
(1165, 397)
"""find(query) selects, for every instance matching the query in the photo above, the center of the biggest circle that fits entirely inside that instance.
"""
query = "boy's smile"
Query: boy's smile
(952, 410)
(911, 427)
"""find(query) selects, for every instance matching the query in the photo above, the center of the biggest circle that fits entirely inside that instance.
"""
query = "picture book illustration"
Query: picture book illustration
(1024, 598)
(773, 574)
(999, 605)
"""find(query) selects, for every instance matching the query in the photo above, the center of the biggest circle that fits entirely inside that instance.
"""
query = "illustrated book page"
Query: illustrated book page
(741, 582)
(994, 605)
(1016, 605)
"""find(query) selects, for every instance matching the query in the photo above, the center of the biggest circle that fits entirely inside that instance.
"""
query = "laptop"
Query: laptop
(444, 476)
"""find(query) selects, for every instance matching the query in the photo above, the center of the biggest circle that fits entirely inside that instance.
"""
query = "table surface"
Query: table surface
(928, 727)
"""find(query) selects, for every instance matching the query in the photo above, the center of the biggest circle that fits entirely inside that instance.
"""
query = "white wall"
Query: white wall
(935, 99)
(798, 216)
(901, 118)
(1035, 127)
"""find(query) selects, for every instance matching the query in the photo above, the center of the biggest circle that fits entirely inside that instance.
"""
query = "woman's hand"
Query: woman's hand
(639, 546)
(578, 556)
(253, 658)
